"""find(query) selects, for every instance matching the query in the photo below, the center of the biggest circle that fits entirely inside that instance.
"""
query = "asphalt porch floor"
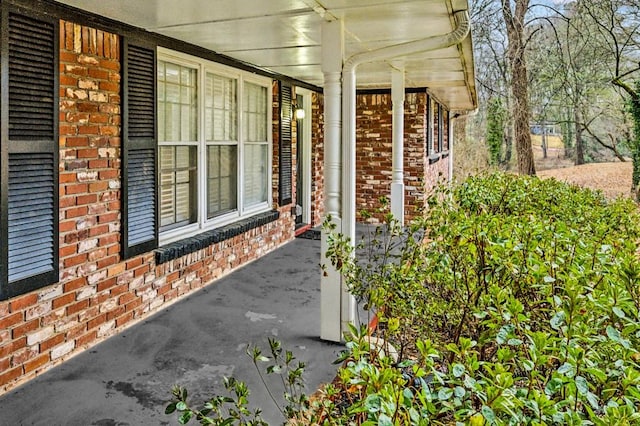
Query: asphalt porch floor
(197, 341)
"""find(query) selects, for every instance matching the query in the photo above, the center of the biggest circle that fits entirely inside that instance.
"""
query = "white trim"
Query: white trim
(305, 169)
(202, 67)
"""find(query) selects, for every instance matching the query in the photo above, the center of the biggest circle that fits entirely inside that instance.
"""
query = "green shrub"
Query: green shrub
(512, 301)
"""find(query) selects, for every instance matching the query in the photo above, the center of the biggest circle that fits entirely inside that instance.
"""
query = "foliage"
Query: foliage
(495, 129)
(233, 409)
(512, 301)
(634, 108)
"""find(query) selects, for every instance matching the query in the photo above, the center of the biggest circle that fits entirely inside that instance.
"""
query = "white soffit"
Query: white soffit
(284, 35)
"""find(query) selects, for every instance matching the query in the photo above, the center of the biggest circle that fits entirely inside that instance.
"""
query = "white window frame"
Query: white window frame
(202, 67)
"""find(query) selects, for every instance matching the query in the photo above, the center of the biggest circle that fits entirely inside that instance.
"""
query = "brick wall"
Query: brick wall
(374, 154)
(99, 294)
(317, 158)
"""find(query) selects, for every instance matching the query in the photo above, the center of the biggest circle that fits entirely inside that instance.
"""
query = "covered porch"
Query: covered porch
(338, 46)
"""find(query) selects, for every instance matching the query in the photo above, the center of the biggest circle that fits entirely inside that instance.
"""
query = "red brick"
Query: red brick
(98, 230)
(63, 300)
(119, 289)
(117, 312)
(101, 163)
(75, 260)
(77, 307)
(66, 226)
(87, 153)
(110, 64)
(67, 130)
(5, 363)
(68, 56)
(76, 212)
(114, 249)
(126, 298)
(109, 86)
(87, 199)
(98, 73)
(105, 285)
(23, 329)
(75, 284)
(89, 130)
(10, 375)
(128, 316)
(109, 239)
(109, 130)
(67, 80)
(95, 322)
(23, 356)
(86, 338)
(76, 189)
(134, 262)
(108, 217)
(133, 305)
(11, 320)
(22, 302)
(69, 250)
(99, 118)
(88, 107)
(52, 342)
(66, 202)
(109, 174)
(37, 362)
(98, 186)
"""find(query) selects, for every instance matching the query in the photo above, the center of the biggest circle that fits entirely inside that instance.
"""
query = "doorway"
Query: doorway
(303, 158)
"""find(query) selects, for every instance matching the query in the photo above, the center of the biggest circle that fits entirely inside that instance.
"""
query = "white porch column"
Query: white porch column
(451, 123)
(397, 177)
(331, 280)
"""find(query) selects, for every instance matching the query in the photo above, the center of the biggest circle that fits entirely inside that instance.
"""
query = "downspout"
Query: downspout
(456, 36)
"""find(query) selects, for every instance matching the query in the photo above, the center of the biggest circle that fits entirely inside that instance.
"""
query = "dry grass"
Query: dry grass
(613, 179)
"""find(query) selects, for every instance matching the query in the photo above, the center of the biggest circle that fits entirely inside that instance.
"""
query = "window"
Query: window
(214, 139)
(29, 216)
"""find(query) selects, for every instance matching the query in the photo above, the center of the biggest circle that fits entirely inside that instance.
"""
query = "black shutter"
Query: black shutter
(440, 128)
(139, 153)
(286, 117)
(29, 157)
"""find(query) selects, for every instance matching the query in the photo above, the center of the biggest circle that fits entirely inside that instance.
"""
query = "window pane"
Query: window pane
(255, 113)
(221, 108)
(222, 177)
(177, 103)
(178, 189)
(255, 174)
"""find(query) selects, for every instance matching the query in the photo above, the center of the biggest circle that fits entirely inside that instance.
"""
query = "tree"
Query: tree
(495, 130)
(618, 24)
(514, 19)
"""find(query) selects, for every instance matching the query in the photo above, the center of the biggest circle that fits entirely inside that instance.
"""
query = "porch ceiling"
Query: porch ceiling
(284, 36)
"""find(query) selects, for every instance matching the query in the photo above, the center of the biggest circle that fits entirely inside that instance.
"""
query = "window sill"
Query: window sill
(445, 154)
(198, 242)
(434, 158)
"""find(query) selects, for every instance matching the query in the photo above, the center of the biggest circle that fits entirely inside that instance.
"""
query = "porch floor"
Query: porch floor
(127, 379)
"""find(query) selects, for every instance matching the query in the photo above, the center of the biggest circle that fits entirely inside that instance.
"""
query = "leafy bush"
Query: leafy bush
(512, 301)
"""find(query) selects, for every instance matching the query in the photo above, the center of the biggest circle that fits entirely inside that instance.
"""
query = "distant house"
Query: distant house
(149, 148)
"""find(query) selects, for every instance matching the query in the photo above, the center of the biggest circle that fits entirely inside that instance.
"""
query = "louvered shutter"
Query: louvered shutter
(285, 157)
(29, 152)
(139, 175)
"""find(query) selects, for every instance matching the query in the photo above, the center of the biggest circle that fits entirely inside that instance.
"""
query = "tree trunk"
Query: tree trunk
(579, 140)
(544, 140)
(567, 136)
(519, 84)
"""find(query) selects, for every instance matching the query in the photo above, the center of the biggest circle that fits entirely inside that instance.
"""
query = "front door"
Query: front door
(300, 172)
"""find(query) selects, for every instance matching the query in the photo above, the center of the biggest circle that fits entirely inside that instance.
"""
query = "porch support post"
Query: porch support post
(331, 280)
(451, 145)
(397, 178)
